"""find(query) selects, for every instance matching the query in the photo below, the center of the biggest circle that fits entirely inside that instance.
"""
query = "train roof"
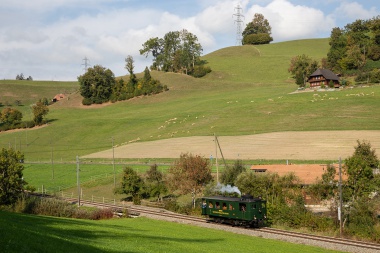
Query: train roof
(244, 198)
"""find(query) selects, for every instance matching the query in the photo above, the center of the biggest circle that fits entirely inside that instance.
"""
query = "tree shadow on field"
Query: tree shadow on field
(32, 233)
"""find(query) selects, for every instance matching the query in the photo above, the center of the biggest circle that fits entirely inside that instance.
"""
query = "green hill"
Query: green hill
(247, 92)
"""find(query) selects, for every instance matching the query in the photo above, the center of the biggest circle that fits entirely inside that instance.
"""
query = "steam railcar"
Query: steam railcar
(244, 211)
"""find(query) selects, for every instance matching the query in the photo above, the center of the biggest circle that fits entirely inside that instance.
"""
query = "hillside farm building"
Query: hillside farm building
(58, 97)
(323, 77)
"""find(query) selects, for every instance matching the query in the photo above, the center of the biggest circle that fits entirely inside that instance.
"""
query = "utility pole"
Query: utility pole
(78, 183)
(340, 198)
(113, 164)
(238, 21)
(86, 63)
(216, 159)
(52, 163)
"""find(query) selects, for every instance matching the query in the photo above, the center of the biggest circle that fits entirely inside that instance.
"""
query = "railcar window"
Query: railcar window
(224, 206)
(231, 207)
(210, 205)
(217, 205)
(242, 207)
(254, 206)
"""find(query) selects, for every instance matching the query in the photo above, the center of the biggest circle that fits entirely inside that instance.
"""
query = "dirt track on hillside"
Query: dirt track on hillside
(312, 145)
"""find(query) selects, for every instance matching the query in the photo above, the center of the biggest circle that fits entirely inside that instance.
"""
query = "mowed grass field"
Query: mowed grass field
(248, 92)
(29, 233)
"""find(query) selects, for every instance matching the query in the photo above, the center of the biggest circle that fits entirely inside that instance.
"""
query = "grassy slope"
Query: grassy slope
(28, 233)
(247, 92)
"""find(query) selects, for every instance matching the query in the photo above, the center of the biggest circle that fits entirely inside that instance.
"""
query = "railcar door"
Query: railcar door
(243, 210)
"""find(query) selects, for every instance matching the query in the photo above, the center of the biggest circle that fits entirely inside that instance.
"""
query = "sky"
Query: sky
(49, 39)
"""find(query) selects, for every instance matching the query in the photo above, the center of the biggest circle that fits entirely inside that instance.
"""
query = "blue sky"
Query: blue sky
(48, 39)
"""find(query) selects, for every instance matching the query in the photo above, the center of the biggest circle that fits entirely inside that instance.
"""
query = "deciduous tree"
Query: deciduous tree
(39, 111)
(260, 28)
(231, 173)
(178, 51)
(189, 174)
(302, 66)
(10, 116)
(132, 184)
(155, 182)
(359, 169)
(96, 85)
(11, 176)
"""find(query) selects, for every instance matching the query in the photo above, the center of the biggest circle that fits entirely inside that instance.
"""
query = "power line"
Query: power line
(86, 63)
(239, 22)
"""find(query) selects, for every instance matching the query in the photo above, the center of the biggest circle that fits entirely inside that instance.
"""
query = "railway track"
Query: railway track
(350, 245)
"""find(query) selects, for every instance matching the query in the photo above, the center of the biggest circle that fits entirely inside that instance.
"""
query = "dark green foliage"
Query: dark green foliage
(231, 173)
(131, 184)
(301, 67)
(200, 71)
(96, 84)
(326, 187)
(362, 219)
(257, 31)
(178, 51)
(11, 176)
(352, 46)
(155, 182)
(39, 111)
(359, 169)
(10, 116)
(257, 39)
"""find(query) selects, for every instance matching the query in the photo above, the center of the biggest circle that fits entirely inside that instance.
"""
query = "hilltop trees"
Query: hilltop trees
(96, 85)
(257, 31)
(178, 51)
(99, 85)
(353, 46)
(11, 176)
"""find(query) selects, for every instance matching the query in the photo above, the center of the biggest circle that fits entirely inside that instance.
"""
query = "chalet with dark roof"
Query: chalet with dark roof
(323, 77)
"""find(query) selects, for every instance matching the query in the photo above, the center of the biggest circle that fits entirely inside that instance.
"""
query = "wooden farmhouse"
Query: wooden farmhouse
(323, 77)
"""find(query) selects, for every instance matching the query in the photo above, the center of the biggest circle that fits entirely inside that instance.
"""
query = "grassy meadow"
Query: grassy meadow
(30, 233)
(249, 91)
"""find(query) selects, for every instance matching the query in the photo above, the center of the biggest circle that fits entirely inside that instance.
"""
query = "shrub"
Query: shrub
(257, 39)
(199, 71)
(58, 208)
(87, 101)
(101, 213)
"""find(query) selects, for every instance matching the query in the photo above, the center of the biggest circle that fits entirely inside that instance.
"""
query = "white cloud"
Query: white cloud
(354, 11)
(289, 21)
(48, 39)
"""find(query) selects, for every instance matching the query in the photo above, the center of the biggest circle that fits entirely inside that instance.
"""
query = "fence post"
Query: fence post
(103, 200)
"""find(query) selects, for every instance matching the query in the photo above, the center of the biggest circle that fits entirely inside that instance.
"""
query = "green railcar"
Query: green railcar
(243, 211)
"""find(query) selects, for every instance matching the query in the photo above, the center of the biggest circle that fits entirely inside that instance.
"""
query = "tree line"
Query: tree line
(99, 85)
(177, 51)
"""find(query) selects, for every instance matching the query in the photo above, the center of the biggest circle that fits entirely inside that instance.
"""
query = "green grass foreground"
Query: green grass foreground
(29, 233)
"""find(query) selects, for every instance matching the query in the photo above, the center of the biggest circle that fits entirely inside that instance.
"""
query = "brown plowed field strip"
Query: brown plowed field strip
(307, 145)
